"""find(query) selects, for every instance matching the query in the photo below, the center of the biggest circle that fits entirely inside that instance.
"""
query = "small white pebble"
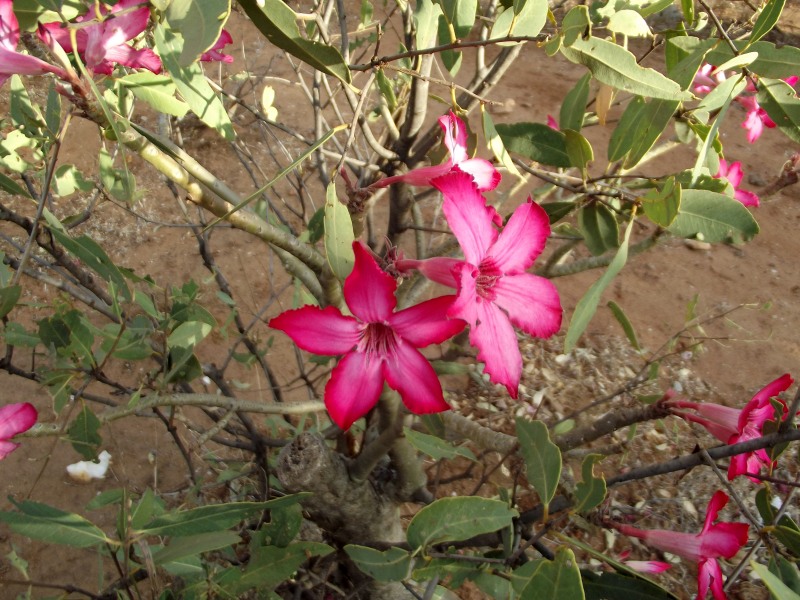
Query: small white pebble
(86, 470)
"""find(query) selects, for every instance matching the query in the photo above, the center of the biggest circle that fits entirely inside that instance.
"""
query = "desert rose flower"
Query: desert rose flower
(455, 140)
(11, 61)
(715, 540)
(494, 291)
(377, 343)
(14, 419)
(733, 174)
(731, 425)
(214, 53)
(102, 41)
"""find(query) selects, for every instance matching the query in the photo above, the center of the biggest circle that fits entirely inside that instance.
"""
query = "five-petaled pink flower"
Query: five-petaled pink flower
(14, 419)
(378, 344)
(731, 425)
(11, 61)
(732, 173)
(101, 40)
(494, 290)
(716, 540)
(486, 177)
(214, 54)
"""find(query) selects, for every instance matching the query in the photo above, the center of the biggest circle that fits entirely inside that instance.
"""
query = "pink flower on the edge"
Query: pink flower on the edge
(378, 344)
(11, 61)
(214, 54)
(715, 540)
(14, 419)
(733, 174)
(455, 140)
(494, 291)
(731, 425)
(704, 80)
(644, 566)
(552, 123)
(103, 43)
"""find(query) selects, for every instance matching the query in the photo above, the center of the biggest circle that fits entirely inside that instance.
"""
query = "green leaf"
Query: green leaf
(713, 217)
(339, 235)
(495, 143)
(779, 590)
(615, 66)
(83, 434)
(200, 23)
(629, 23)
(556, 579)
(772, 62)
(189, 334)
(426, 21)
(573, 108)
(599, 228)
(558, 210)
(624, 136)
(591, 491)
(192, 83)
(605, 585)
(284, 525)
(193, 545)
(45, 523)
(460, 14)
(653, 120)
(386, 87)
(15, 334)
(722, 94)
(68, 180)
(542, 458)
(455, 571)
(435, 447)
(662, 206)
(579, 149)
(786, 531)
(278, 23)
(52, 112)
(459, 518)
(767, 19)
(786, 571)
(626, 324)
(528, 22)
(535, 141)
(587, 305)
(12, 187)
(782, 105)
(157, 90)
(24, 113)
(576, 24)
(394, 564)
(9, 296)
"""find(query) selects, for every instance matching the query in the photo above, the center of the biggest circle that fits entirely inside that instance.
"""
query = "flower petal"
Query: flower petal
(455, 136)
(716, 504)
(483, 172)
(368, 290)
(747, 198)
(7, 448)
(467, 214)
(724, 539)
(136, 59)
(709, 576)
(320, 331)
(417, 177)
(128, 21)
(465, 305)
(439, 268)
(410, 373)
(426, 323)
(532, 303)
(9, 26)
(23, 64)
(522, 239)
(648, 566)
(497, 346)
(772, 389)
(16, 418)
(354, 387)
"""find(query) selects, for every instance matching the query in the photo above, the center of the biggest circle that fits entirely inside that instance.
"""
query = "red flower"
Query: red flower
(14, 419)
(214, 53)
(11, 61)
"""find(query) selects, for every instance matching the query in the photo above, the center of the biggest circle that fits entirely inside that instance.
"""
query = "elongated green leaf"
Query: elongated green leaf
(615, 66)
(339, 235)
(713, 218)
(12, 187)
(779, 590)
(662, 206)
(200, 23)
(629, 23)
(435, 447)
(460, 14)
(460, 518)
(786, 571)
(601, 586)
(278, 23)
(772, 62)
(528, 22)
(599, 228)
(394, 564)
(579, 149)
(654, 119)
(542, 458)
(720, 95)
(591, 491)
(573, 108)
(426, 19)
(193, 545)
(9, 296)
(495, 143)
(84, 434)
(625, 323)
(767, 19)
(624, 136)
(782, 105)
(587, 305)
(189, 334)
(41, 522)
(535, 141)
(556, 579)
(157, 90)
(576, 24)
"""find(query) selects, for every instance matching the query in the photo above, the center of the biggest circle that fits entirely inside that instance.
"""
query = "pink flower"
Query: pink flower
(494, 291)
(644, 566)
(101, 42)
(214, 53)
(11, 61)
(552, 123)
(14, 419)
(756, 119)
(733, 174)
(716, 540)
(732, 426)
(378, 344)
(455, 139)
(704, 80)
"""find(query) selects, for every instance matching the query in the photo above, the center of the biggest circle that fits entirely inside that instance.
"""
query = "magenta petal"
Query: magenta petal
(7, 448)
(455, 136)
(135, 59)
(439, 268)
(410, 373)
(749, 199)
(426, 323)
(648, 566)
(467, 214)
(532, 303)
(709, 576)
(733, 172)
(724, 539)
(354, 387)
(320, 331)
(417, 177)
(368, 290)
(126, 23)
(773, 388)
(522, 239)
(716, 504)
(465, 305)
(23, 64)
(9, 26)
(483, 172)
(16, 418)
(497, 346)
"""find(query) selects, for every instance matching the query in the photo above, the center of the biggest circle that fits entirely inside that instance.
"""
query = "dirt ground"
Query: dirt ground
(750, 347)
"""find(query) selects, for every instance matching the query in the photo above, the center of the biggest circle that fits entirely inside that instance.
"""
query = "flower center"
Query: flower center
(377, 338)
(488, 275)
